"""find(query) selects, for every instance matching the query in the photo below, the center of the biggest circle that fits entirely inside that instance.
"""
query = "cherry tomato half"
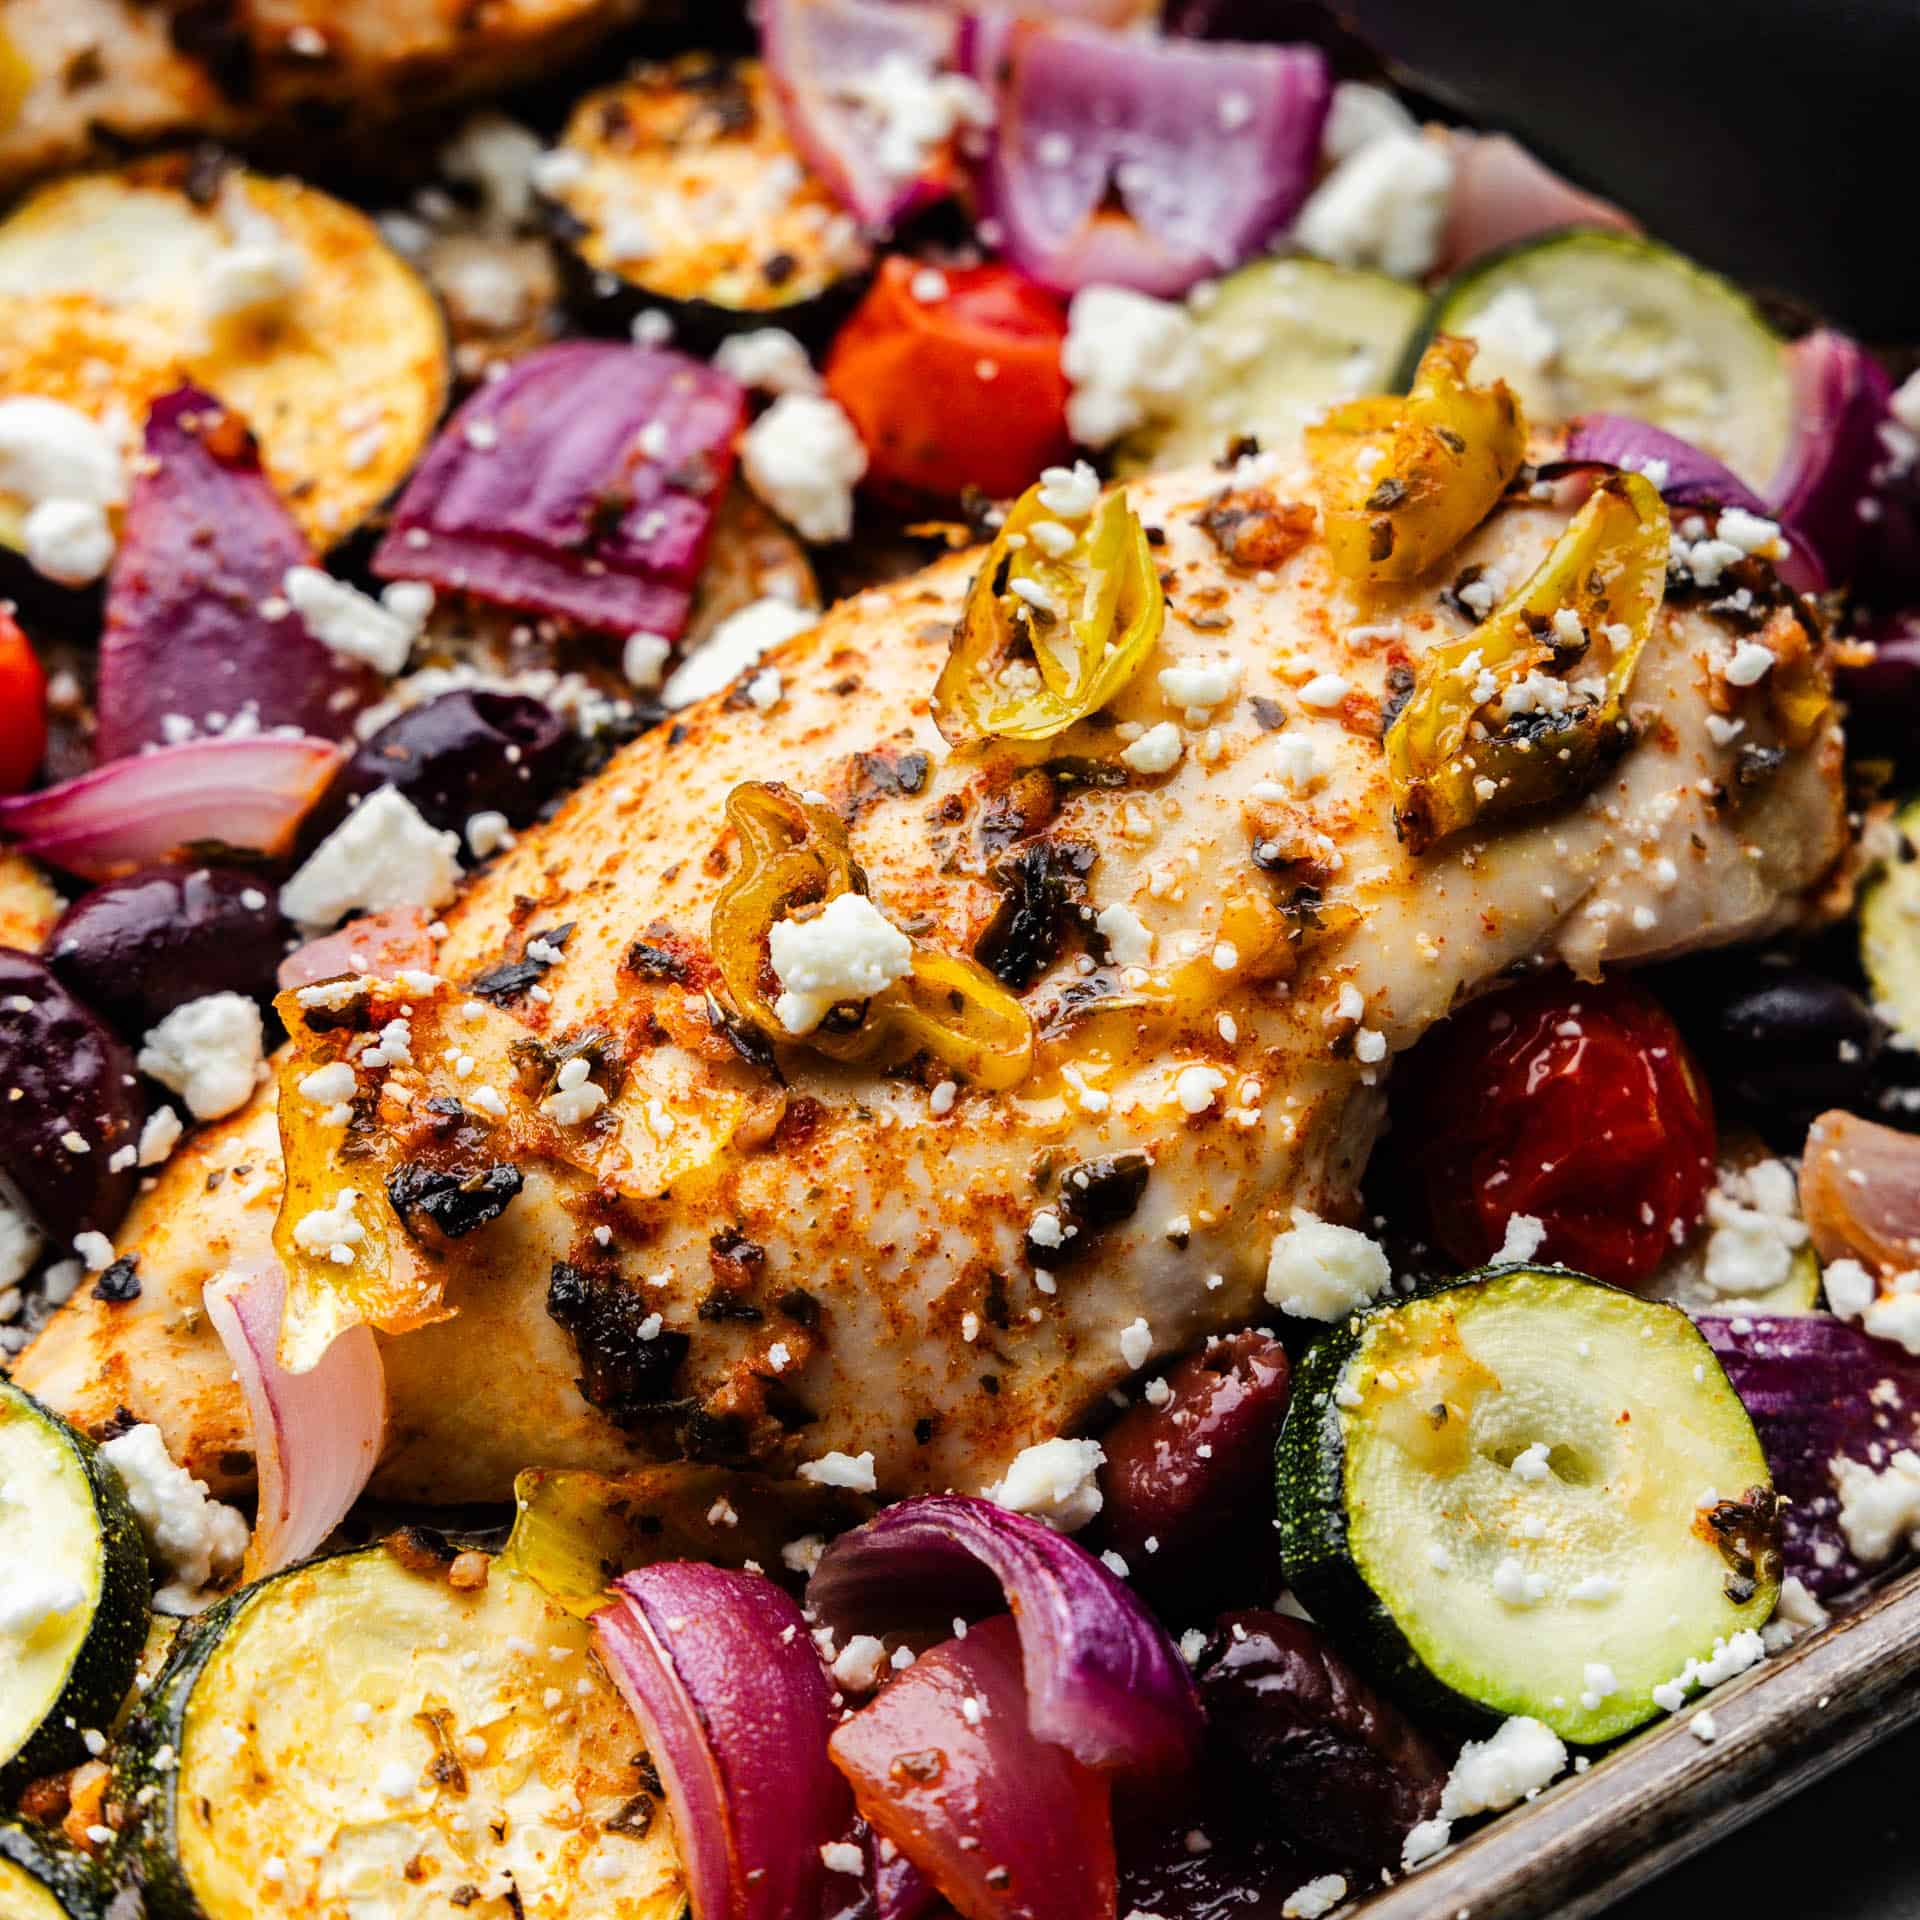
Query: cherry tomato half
(23, 707)
(1578, 1105)
(960, 388)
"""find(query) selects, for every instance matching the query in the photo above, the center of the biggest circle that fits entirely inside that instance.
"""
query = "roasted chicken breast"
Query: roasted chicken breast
(830, 1258)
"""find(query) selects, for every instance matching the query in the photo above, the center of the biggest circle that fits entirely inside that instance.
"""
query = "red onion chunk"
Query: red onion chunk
(1209, 147)
(1686, 477)
(1841, 394)
(825, 57)
(250, 793)
(1106, 1682)
(207, 545)
(736, 1708)
(1819, 1389)
(943, 1763)
(1502, 194)
(1860, 1192)
(316, 1435)
(582, 484)
(379, 944)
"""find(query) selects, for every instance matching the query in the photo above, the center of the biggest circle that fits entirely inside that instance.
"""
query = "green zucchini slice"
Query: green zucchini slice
(116, 286)
(1281, 341)
(1506, 1495)
(73, 1590)
(686, 194)
(1890, 930)
(42, 1878)
(1602, 322)
(353, 1737)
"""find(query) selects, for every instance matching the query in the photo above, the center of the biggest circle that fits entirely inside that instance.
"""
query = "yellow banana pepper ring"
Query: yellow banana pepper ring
(794, 854)
(1060, 617)
(1403, 481)
(1524, 711)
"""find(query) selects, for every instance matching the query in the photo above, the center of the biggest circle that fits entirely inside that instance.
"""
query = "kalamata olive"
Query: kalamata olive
(1345, 1770)
(1789, 1044)
(72, 1103)
(1213, 1855)
(1883, 697)
(462, 754)
(1195, 1476)
(134, 949)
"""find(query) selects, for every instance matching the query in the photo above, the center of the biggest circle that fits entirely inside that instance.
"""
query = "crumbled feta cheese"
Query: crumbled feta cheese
(70, 541)
(764, 690)
(505, 162)
(1359, 115)
(1851, 1289)
(382, 855)
(332, 1232)
(1729, 1657)
(1128, 358)
(1425, 1838)
(1129, 939)
(644, 659)
(734, 645)
(488, 833)
(1324, 692)
(1056, 1481)
(851, 1471)
(1319, 1271)
(575, 1098)
(1200, 684)
(1136, 1343)
(1750, 663)
(1525, 1235)
(380, 633)
(1749, 532)
(850, 950)
(95, 1250)
(260, 268)
(1319, 1896)
(861, 1664)
(209, 1052)
(1158, 750)
(1196, 1088)
(768, 359)
(1299, 762)
(1514, 1586)
(1514, 342)
(1071, 492)
(910, 110)
(1751, 1246)
(20, 1244)
(1518, 1759)
(803, 1555)
(1879, 1511)
(803, 458)
(1383, 206)
(193, 1538)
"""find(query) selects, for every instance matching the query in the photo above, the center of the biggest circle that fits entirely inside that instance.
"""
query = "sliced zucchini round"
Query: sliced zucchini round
(114, 286)
(41, 1878)
(1602, 322)
(1504, 1494)
(688, 195)
(350, 1736)
(1890, 929)
(1281, 341)
(73, 1590)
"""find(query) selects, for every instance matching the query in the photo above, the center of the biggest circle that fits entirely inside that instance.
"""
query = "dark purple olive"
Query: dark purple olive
(1344, 1769)
(462, 754)
(1216, 1855)
(1883, 697)
(71, 1104)
(1195, 1476)
(1789, 1044)
(135, 949)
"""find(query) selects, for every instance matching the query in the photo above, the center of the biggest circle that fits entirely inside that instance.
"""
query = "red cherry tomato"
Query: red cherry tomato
(960, 389)
(1579, 1105)
(23, 707)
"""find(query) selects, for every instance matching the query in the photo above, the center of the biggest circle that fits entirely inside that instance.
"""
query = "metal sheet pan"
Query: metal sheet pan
(1666, 1794)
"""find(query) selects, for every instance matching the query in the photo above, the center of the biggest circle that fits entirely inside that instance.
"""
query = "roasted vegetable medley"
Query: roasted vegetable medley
(954, 961)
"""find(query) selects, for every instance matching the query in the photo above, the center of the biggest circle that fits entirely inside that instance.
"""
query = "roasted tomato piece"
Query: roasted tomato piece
(1577, 1105)
(23, 707)
(952, 377)
(944, 1765)
(1195, 1475)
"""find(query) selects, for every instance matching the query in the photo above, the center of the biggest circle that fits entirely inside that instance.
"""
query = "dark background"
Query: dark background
(1778, 140)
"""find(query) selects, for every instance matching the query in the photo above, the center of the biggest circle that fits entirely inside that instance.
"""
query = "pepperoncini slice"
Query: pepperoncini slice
(1403, 481)
(1523, 711)
(794, 854)
(16, 79)
(1061, 616)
